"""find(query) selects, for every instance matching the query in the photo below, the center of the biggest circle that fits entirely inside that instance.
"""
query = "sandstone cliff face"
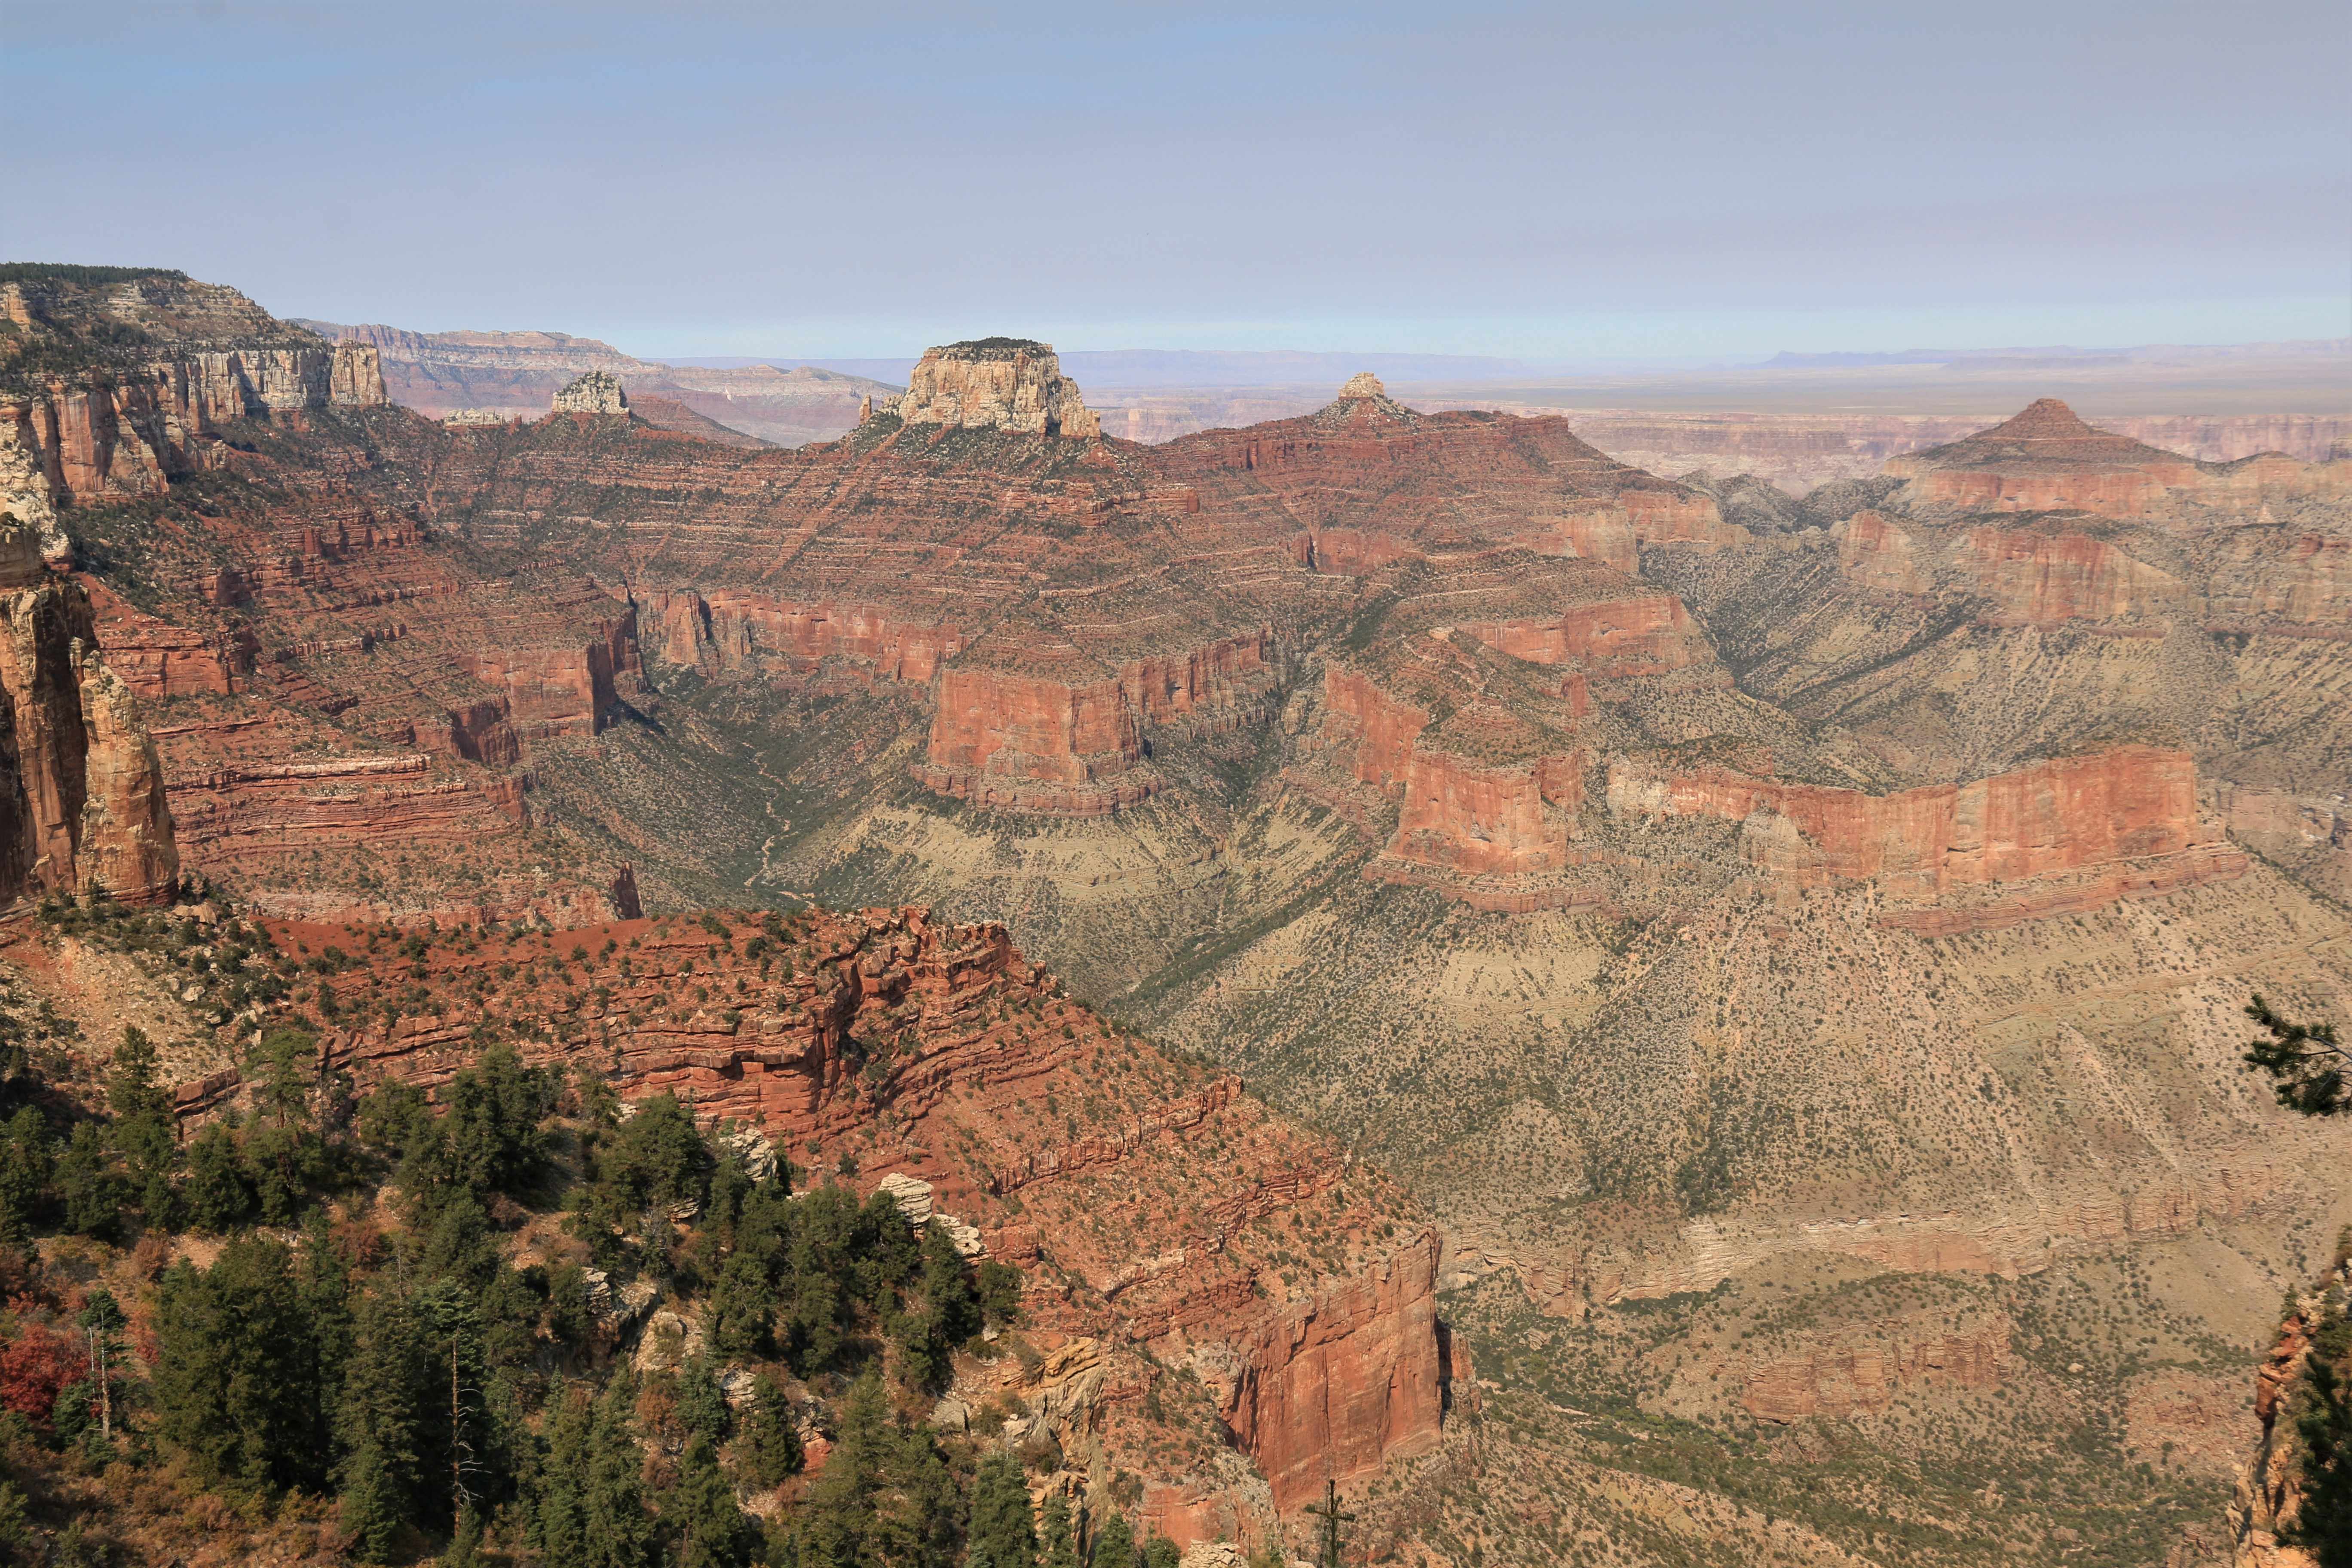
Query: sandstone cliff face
(996, 384)
(165, 365)
(1030, 722)
(597, 391)
(81, 792)
(2064, 815)
(1339, 1385)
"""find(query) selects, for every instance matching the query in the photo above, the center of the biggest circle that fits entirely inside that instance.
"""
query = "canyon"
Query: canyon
(1813, 929)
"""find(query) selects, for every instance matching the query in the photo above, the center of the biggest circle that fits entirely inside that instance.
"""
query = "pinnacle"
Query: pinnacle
(2044, 419)
(1364, 383)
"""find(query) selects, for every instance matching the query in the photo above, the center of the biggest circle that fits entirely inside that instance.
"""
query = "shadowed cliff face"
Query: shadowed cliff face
(81, 792)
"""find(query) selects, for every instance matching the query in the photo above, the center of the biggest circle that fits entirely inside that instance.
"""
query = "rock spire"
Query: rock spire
(597, 391)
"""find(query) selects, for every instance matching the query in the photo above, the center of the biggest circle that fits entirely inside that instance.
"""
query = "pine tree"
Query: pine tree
(559, 1511)
(702, 1403)
(379, 1420)
(1113, 1545)
(26, 1163)
(1160, 1553)
(144, 1131)
(1061, 1542)
(217, 1197)
(237, 1384)
(619, 1529)
(709, 1526)
(770, 1448)
(87, 1186)
(1002, 1533)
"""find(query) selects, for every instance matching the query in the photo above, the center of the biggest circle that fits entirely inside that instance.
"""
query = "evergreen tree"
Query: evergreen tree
(738, 1309)
(620, 1531)
(559, 1511)
(1161, 1553)
(144, 1131)
(386, 1384)
(771, 1444)
(1002, 1533)
(1114, 1544)
(237, 1384)
(217, 1196)
(701, 1403)
(1061, 1542)
(26, 1165)
(85, 1184)
(707, 1525)
(884, 1495)
(324, 1282)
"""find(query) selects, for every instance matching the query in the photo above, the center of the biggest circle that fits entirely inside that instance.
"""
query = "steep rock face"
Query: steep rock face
(1639, 633)
(995, 384)
(732, 629)
(1339, 1385)
(1844, 1380)
(568, 690)
(2129, 802)
(130, 433)
(1029, 720)
(81, 792)
(1874, 555)
(1485, 821)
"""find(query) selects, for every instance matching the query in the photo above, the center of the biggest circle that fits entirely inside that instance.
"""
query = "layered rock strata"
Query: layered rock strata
(82, 803)
(2128, 803)
(2046, 458)
(995, 384)
(938, 1053)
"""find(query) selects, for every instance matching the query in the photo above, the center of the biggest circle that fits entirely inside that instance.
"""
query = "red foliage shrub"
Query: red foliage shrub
(34, 1365)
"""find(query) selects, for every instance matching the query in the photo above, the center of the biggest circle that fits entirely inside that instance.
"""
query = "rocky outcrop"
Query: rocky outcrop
(81, 792)
(1337, 1386)
(2267, 1525)
(1611, 638)
(569, 691)
(142, 376)
(731, 629)
(597, 391)
(2128, 803)
(1861, 1376)
(995, 384)
(1029, 720)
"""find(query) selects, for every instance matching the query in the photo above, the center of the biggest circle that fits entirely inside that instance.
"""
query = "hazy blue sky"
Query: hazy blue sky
(1559, 182)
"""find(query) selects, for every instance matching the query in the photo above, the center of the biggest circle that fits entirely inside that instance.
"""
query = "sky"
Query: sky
(1566, 184)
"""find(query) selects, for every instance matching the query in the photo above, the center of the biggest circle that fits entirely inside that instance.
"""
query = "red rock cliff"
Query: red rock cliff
(2060, 816)
(1336, 1387)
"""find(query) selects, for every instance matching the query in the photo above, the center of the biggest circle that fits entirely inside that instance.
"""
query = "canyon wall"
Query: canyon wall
(2126, 803)
(826, 1028)
(81, 792)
